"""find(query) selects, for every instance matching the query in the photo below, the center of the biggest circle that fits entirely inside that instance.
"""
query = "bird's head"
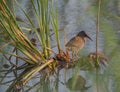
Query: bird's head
(83, 34)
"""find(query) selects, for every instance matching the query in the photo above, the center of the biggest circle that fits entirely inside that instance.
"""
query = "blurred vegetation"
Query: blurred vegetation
(111, 44)
(14, 39)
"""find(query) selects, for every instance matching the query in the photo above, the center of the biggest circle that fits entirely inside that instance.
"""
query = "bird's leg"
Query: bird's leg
(72, 57)
(67, 54)
(76, 55)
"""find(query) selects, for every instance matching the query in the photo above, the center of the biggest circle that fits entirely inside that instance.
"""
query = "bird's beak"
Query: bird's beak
(88, 37)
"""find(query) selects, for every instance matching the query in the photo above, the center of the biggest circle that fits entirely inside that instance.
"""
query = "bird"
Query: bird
(77, 43)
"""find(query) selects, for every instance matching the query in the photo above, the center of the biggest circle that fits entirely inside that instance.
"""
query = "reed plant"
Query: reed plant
(46, 15)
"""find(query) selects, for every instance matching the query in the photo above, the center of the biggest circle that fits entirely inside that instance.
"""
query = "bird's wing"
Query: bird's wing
(75, 42)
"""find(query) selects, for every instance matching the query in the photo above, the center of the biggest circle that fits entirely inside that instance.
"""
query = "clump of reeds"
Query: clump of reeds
(46, 14)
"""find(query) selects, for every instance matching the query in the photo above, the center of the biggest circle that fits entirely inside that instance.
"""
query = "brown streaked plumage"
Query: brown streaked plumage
(77, 43)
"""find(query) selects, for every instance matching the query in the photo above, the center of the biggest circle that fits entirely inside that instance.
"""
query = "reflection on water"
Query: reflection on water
(74, 16)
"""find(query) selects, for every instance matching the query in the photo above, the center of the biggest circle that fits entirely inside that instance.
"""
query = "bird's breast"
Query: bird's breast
(76, 42)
